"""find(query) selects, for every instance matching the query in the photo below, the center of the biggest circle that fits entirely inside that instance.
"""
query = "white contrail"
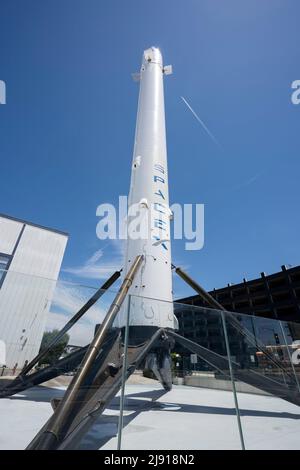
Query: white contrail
(201, 122)
(249, 181)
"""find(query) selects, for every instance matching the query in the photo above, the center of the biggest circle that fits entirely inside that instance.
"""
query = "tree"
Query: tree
(56, 351)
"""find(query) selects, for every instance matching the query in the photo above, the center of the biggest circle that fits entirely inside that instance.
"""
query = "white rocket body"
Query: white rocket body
(150, 296)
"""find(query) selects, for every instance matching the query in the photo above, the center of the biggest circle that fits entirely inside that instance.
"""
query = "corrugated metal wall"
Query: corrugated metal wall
(27, 290)
(9, 233)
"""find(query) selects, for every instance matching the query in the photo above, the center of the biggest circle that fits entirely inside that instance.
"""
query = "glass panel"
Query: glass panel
(2, 275)
(268, 379)
(191, 406)
(291, 335)
(258, 344)
(265, 361)
(4, 260)
(29, 307)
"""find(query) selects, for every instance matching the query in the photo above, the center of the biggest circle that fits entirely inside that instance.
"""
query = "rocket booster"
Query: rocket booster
(148, 221)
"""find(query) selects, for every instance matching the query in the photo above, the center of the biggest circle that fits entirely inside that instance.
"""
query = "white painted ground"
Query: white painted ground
(185, 418)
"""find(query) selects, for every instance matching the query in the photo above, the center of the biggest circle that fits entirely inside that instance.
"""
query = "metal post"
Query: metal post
(124, 376)
(254, 330)
(289, 353)
(238, 417)
(58, 424)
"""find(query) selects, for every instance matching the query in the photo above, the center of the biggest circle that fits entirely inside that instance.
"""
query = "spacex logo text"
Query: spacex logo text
(295, 98)
(143, 221)
(2, 92)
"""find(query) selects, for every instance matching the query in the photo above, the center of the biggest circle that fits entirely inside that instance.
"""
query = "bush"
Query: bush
(54, 354)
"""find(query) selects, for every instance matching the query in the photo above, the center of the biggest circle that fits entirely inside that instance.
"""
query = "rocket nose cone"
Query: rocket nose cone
(153, 54)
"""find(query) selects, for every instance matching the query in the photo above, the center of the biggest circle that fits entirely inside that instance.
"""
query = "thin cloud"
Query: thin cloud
(210, 134)
(98, 268)
(67, 300)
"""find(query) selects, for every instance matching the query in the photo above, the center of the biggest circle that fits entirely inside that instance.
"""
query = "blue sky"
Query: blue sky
(66, 132)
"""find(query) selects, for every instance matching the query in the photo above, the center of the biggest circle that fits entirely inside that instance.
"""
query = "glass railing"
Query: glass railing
(246, 365)
(234, 378)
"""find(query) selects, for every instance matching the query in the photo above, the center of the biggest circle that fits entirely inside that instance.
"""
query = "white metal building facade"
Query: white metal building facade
(30, 261)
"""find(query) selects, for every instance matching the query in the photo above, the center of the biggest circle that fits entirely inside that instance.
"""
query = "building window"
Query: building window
(4, 260)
